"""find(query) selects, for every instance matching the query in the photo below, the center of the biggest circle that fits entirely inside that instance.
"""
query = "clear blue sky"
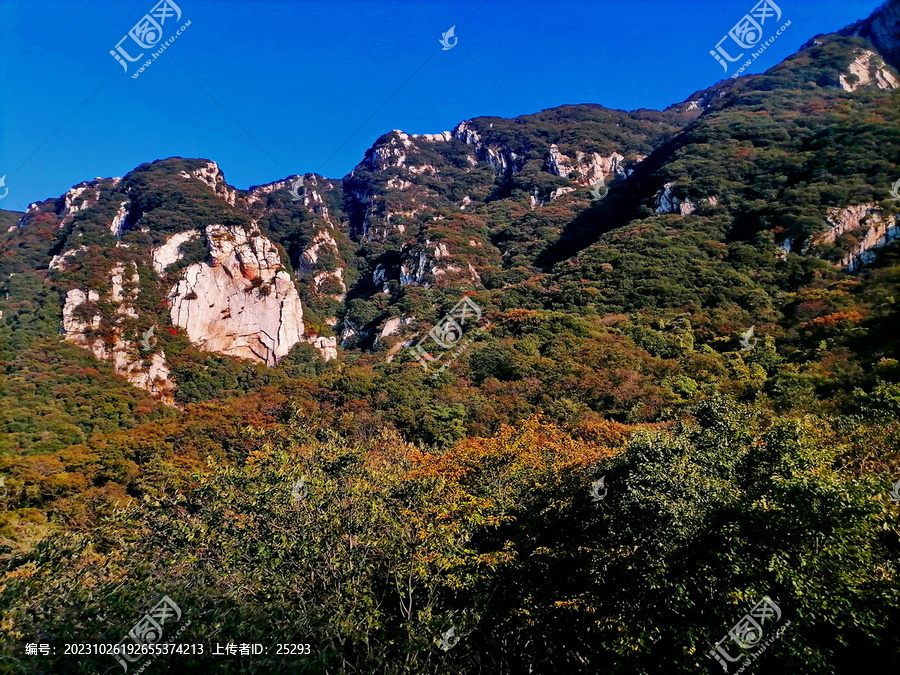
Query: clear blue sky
(269, 88)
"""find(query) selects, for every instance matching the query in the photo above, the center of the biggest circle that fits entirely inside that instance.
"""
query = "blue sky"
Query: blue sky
(270, 88)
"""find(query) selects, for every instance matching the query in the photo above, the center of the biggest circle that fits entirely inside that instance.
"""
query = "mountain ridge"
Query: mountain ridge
(494, 202)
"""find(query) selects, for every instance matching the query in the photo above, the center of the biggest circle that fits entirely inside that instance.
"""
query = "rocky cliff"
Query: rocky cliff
(241, 302)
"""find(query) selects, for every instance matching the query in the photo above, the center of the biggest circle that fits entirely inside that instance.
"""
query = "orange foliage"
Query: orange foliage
(833, 320)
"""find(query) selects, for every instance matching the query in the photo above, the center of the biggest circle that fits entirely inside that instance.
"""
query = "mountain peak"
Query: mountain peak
(882, 29)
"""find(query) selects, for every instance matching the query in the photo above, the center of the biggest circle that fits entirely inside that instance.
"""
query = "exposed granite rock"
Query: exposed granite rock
(168, 253)
(243, 303)
(667, 202)
(212, 176)
(118, 222)
(61, 261)
(123, 354)
(591, 168)
(864, 221)
(78, 199)
(882, 29)
(868, 70)
(503, 161)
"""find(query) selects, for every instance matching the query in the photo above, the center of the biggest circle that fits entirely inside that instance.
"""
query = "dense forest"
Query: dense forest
(682, 398)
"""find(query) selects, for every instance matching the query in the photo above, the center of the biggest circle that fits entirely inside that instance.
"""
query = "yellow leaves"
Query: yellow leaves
(24, 572)
(256, 456)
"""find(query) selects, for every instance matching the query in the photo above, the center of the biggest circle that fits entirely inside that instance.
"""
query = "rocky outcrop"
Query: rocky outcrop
(882, 29)
(868, 70)
(78, 199)
(327, 346)
(169, 253)
(589, 168)
(61, 261)
(321, 241)
(212, 176)
(668, 202)
(123, 289)
(867, 225)
(243, 302)
(503, 161)
(419, 264)
(118, 221)
(391, 151)
(260, 193)
(82, 322)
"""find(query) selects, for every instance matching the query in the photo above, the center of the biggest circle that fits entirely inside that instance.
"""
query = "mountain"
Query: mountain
(492, 203)
(679, 396)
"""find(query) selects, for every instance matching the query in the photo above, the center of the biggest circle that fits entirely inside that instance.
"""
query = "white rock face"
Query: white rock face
(559, 192)
(123, 354)
(389, 153)
(322, 239)
(667, 202)
(392, 325)
(591, 168)
(435, 138)
(397, 183)
(866, 222)
(244, 303)
(414, 270)
(212, 176)
(75, 298)
(78, 199)
(60, 262)
(327, 346)
(260, 192)
(337, 276)
(168, 253)
(124, 296)
(868, 69)
(115, 227)
(502, 160)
